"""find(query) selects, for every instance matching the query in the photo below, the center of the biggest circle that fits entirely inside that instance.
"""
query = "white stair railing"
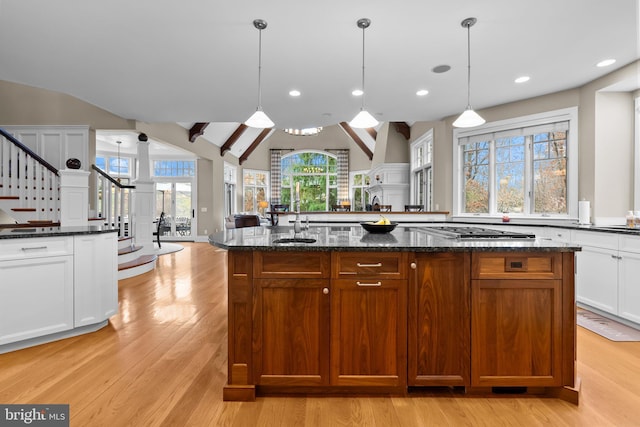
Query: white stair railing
(114, 202)
(29, 177)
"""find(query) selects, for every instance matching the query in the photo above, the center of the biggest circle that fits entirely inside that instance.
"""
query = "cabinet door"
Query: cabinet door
(291, 332)
(597, 278)
(629, 286)
(96, 282)
(36, 297)
(368, 332)
(439, 330)
(516, 333)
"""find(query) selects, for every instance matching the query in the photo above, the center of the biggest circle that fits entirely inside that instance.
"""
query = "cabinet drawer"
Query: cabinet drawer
(11, 249)
(630, 243)
(302, 265)
(369, 264)
(516, 265)
(595, 239)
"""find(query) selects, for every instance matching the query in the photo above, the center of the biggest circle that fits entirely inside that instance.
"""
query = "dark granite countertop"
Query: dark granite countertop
(355, 238)
(19, 233)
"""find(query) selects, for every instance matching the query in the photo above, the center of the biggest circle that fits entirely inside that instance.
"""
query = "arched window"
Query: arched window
(317, 173)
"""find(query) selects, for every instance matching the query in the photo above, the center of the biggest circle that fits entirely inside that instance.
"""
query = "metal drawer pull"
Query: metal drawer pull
(369, 284)
(34, 248)
(378, 264)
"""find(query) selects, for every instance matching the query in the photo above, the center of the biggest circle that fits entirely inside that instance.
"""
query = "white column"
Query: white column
(74, 197)
(143, 198)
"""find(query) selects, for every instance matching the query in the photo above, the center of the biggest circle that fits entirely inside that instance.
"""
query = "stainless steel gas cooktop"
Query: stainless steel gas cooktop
(469, 233)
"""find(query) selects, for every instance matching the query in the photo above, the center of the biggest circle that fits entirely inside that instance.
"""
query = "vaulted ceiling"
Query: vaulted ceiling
(195, 61)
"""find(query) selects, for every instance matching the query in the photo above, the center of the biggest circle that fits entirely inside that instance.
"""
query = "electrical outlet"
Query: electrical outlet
(203, 209)
(205, 231)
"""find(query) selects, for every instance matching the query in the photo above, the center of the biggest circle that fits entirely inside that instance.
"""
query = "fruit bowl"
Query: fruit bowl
(372, 227)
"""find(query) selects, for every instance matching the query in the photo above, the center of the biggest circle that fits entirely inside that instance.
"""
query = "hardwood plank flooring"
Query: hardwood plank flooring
(162, 362)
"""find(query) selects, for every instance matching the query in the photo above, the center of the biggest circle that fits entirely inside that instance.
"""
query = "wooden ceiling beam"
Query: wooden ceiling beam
(233, 138)
(197, 130)
(359, 142)
(372, 132)
(254, 144)
(403, 129)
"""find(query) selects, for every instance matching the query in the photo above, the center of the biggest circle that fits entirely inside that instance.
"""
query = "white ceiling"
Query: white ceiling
(196, 61)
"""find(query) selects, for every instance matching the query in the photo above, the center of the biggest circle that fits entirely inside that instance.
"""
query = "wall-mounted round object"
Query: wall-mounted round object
(73, 163)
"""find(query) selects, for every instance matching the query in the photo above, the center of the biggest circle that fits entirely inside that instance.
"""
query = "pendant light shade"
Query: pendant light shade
(363, 119)
(259, 119)
(468, 118)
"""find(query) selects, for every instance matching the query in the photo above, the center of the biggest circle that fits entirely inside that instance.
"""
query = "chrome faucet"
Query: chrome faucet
(297, 226)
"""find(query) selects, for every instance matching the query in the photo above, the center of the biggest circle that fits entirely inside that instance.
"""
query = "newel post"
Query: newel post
(143, 198)
(74, 197)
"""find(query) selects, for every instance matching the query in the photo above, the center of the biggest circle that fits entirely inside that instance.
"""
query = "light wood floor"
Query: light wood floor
(162, 362)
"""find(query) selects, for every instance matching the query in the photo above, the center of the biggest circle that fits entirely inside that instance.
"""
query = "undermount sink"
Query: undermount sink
(294, 240)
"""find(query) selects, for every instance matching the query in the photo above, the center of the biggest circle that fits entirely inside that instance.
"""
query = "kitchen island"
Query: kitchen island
(350, 312)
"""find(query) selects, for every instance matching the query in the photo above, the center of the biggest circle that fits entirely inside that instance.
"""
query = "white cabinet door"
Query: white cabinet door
(629, 286)
(96, 282)
(597, 278)
(36, 297)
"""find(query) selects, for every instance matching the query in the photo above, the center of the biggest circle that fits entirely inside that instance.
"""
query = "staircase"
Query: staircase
(130, 263)
(30, 197)
(29, 186)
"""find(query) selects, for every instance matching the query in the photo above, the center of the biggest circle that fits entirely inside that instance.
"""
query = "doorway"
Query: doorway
(174, 198)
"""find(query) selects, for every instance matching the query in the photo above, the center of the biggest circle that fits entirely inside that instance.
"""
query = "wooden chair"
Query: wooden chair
(385, 208)
(160, 226)
(413, 208)
(277, 208)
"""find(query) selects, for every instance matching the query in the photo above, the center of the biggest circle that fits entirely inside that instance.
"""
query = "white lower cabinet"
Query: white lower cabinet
(608, 273)
(95, 278)
(597, 270)
(37, 297)
(629, 279)
(597, 278)
(54, 287)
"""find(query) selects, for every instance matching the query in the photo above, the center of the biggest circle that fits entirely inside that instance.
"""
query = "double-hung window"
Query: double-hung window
(422, 171)
(523, 167)
(256, 188)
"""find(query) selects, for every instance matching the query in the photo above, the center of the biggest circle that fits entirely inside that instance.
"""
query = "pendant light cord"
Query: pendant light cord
(468, 66)
(363, 91)
(259, 69)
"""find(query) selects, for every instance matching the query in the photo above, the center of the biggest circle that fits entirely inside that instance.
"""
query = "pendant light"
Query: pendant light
(259, 119)
(468, 118)
(363, 119)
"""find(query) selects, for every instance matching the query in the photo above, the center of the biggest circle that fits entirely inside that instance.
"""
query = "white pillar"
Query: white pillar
(74, 197)
(143, 199)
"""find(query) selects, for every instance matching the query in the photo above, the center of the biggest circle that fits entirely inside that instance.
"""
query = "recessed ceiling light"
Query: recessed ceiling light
(422, 92)
(522, 79)
(605, 62)
(357, 92)
(438, 69)
(294, 92)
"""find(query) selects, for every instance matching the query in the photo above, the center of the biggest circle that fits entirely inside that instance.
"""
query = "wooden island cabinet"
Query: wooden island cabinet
(346, 312)
(363, 322)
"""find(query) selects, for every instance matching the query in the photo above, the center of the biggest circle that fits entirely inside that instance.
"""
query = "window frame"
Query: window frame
(229, 174)
(636, 168)
(424, 165)
(291, 178)
(254, 186)
(569, 115)
(364, 188)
